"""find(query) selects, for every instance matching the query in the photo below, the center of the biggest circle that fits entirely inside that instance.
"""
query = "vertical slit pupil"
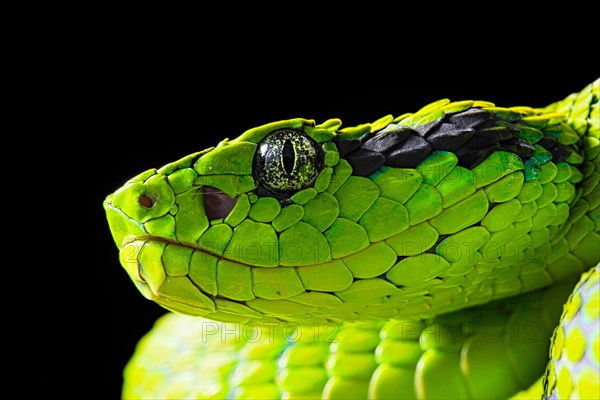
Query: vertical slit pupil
(288, 155)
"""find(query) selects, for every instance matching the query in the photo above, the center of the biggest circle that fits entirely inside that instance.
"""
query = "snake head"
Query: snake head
(222, 232)
(425, 213)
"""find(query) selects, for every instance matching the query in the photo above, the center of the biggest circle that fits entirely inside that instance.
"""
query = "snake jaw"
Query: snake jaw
(160, 282)
(148, 278)
(126, 233)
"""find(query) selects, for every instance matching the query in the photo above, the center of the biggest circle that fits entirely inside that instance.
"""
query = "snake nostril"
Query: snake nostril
(217, 204)
(146, 201)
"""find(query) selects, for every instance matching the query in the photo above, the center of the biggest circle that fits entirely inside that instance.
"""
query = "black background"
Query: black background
(156, 115)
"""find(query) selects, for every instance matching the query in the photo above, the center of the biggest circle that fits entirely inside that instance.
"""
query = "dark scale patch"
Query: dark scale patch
(425, 129)
(475, 151)
(472, 135)
(518, 146)
(389, 137)
(469, 157)
(498, 133)
(471, 118)
(346, 146)
(449, 137)
(409, 154)
(560, 153)
(490, 123)
(479, 142)
(547, 141)
(365, 162)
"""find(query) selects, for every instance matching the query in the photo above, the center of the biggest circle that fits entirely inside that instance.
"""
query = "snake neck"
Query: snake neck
(581, 232)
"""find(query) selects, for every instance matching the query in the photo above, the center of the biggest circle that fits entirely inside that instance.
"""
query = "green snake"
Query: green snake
(436, 254)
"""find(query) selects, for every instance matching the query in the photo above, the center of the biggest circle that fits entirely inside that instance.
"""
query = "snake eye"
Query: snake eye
(287, 161)
(146, 201)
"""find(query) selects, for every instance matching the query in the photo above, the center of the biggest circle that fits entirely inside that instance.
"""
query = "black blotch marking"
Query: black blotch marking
(409, 154)
(560, 153)
(480, 142)
(390, 136)
(345, 146)
(547, 142)
(405, 147)
(471, 118)
(365, 162)
(472, 135)
(449, 137)
(469, 157)
(475, 151)
(424, 129)
(498, 133)
(518, 146)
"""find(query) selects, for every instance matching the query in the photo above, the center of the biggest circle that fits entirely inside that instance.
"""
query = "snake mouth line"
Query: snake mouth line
(189, 279)
(150, 238)
(133, 248)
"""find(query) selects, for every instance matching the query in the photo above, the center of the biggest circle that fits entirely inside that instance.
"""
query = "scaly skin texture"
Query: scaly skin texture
(423, 256)
(575, 353)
